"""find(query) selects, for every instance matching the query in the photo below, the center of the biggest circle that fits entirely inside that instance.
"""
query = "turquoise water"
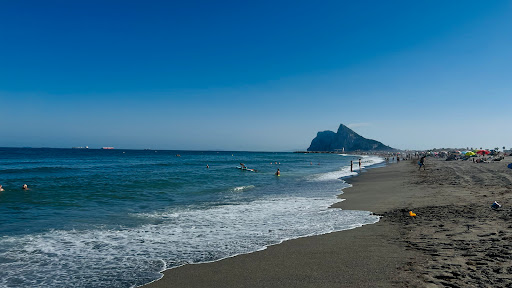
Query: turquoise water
(116, 218)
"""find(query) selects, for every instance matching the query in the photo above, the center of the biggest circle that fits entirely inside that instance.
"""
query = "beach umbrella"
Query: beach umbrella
(470, 153)
(483, 152)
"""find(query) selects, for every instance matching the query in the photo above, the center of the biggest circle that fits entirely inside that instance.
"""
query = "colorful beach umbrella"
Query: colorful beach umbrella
(470, 153)
(483, 152)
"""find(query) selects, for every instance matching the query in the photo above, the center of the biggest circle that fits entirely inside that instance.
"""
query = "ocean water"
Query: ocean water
(116, 218)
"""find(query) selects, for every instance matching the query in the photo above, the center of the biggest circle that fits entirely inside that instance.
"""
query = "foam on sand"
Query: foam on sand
(134, 255)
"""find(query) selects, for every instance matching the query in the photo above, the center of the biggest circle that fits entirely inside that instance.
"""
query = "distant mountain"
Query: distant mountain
(346, 139)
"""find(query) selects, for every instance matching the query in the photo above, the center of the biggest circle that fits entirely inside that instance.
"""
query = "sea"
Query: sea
(117, 218)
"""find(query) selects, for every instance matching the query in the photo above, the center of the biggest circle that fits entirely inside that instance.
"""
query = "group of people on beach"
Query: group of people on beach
(488, 159)
(405, 157)
(24, 187)
(352, 165)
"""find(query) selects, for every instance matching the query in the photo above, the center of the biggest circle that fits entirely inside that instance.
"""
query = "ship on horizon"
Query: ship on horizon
(107, 148)
(80, 147)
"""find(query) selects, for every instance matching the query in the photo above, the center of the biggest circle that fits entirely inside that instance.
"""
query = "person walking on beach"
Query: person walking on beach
(421, 163)
(351, 166)
(359, 163)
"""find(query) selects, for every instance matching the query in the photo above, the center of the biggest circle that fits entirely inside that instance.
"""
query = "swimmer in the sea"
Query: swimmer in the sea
(25, 187)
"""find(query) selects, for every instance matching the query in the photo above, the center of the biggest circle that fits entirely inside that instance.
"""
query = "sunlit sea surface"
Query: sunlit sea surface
(116, 218)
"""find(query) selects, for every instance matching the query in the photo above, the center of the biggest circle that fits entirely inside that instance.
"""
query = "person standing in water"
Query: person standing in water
(359, 163)
(351, 166)
(278, 173)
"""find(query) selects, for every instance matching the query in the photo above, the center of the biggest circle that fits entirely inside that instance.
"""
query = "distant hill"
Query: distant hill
(346, 139)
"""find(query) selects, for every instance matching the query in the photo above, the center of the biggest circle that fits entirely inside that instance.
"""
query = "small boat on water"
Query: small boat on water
(245, 169)
(107, 148)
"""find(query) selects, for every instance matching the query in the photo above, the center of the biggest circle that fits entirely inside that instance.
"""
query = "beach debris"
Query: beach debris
(495, 205)
(412, 214)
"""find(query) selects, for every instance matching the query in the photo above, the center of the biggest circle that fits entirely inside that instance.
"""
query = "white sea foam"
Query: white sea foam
(369, 160)
(333, 175)
(243, 188)
(366, 161)
(128, 256)
(133, 256)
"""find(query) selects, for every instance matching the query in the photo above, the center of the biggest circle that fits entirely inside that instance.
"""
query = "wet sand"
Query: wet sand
(456, 239)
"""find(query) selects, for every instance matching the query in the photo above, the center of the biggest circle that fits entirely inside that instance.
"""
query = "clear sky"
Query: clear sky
(254, 75)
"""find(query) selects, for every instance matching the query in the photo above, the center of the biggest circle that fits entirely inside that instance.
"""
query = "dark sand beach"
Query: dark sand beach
(456, 239)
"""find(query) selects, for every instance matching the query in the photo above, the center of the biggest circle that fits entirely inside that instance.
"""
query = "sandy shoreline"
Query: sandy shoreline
(456, 240)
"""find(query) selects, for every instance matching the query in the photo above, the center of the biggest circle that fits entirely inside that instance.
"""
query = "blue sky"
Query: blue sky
(254, 75)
